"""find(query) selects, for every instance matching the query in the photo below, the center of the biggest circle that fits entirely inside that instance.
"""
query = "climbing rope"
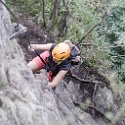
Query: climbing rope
(18, 28)
(53, 91)
(16, 20)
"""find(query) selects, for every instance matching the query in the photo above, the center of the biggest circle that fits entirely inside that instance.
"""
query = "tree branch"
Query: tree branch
(43, 11)
(88, 33)
(85, 81)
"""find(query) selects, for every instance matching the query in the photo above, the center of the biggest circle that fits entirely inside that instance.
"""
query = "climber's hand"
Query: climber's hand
(32, 47)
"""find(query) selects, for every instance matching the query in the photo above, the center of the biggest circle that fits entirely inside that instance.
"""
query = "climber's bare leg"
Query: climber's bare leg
(33, 66)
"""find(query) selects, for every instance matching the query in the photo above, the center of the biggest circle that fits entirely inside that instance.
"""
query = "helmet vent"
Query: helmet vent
(62, 52)
(62, 57)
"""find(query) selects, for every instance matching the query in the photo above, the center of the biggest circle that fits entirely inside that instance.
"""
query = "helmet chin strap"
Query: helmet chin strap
(60, 62)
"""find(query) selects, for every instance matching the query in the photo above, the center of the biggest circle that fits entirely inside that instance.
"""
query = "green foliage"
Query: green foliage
(112, 32)
(28, 6)
(82, 20)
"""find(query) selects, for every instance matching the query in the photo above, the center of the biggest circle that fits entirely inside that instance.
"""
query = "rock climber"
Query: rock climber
(57, 56)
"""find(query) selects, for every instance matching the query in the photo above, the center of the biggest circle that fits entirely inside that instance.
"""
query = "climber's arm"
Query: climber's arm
(61, 74)
(42, 46)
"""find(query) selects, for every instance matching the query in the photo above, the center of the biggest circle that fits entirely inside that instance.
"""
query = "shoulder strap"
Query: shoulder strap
(52, 47)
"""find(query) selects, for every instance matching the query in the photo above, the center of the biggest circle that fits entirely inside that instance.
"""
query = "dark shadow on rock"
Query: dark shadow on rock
(1, 103)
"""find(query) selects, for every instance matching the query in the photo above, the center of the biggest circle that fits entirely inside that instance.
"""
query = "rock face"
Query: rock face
(28, 100)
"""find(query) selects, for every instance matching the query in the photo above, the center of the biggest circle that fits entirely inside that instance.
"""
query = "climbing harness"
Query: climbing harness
(17, 28)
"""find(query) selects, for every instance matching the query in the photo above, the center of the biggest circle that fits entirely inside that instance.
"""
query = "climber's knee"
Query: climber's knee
(33, 66)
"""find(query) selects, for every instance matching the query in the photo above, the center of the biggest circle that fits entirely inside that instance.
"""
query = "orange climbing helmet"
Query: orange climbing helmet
(61, 51)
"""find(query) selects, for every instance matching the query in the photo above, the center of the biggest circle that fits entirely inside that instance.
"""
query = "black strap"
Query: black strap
(46, 66)
(16, 20)
(52, 47)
